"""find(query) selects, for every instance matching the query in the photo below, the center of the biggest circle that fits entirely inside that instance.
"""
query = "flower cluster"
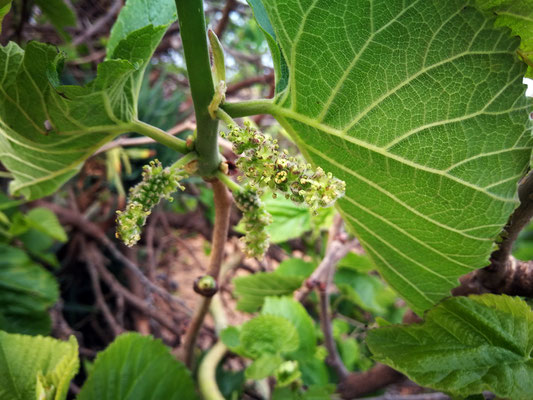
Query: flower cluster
(255, 219)
(158, 183)
(266, 166)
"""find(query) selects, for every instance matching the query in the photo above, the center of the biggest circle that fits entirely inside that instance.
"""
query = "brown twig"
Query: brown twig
(91, 253)
(222, 201)
(223, 23)
(99, 23)
(360, 384)
(135, 301)
(70, 217)
(322, 279)
(245, 83)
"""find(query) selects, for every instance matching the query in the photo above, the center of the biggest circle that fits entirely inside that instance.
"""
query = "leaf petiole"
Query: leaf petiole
(230, 183)
(160, 136)
(250, 107)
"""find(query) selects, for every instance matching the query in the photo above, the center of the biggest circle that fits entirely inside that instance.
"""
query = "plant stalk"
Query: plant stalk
(249, 107)
(230, 183)
(160, 136)
(222, 201)
(207, 381)
(194, 38)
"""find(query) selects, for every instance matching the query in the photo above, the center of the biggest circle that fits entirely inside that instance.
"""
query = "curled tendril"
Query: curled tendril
(255, 219)
(158, 183)
(265, 165)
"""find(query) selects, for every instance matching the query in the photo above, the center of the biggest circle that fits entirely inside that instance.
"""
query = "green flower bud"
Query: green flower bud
(255, 219)
(206, 286)
(266, 166)
(158, 183)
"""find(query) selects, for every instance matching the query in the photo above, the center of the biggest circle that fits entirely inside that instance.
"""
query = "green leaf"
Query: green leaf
(36, 367)
(59, 14)
(5, 6)
(419, 107)
(137, 367)
(313, 370)
(231, 337)
(264, 366)
(289, 220)
(294, 312)
(48, 130)
(465, 346)
(357, 262)
(367, 291)
(138, 14)
(252, 289)
(281, 69)
(295, 267)
(26, 292)
(45, 221)
(268, 334)
(517, 15)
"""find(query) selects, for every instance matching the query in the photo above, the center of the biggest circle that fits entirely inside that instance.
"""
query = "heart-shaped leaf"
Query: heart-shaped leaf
(419, 107)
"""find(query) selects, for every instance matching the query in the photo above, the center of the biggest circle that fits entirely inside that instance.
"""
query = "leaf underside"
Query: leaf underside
(419, 106)
(48, 130)
(465, 346)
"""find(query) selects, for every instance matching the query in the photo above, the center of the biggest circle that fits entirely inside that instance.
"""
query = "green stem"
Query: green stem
(224, 117)
(160, 136)
(186, 159)
(250, 107)
(194, 38)
(7, 175)
(230, 183)
(207, 381)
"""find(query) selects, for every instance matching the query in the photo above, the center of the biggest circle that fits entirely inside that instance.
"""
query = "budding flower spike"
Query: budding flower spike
(158, 183)
(265, 165)
(255, 219)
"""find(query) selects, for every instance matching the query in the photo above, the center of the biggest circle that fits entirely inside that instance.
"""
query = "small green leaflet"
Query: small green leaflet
(465, 346)
(36, 367)
(48, 130)
(419, 107)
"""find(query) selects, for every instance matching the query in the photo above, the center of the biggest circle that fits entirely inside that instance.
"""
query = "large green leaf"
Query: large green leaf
(27, 291)
(48, 130)
(36, 367)
(517, 15)
(138, 367)
(419, 106)
(465, 346)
